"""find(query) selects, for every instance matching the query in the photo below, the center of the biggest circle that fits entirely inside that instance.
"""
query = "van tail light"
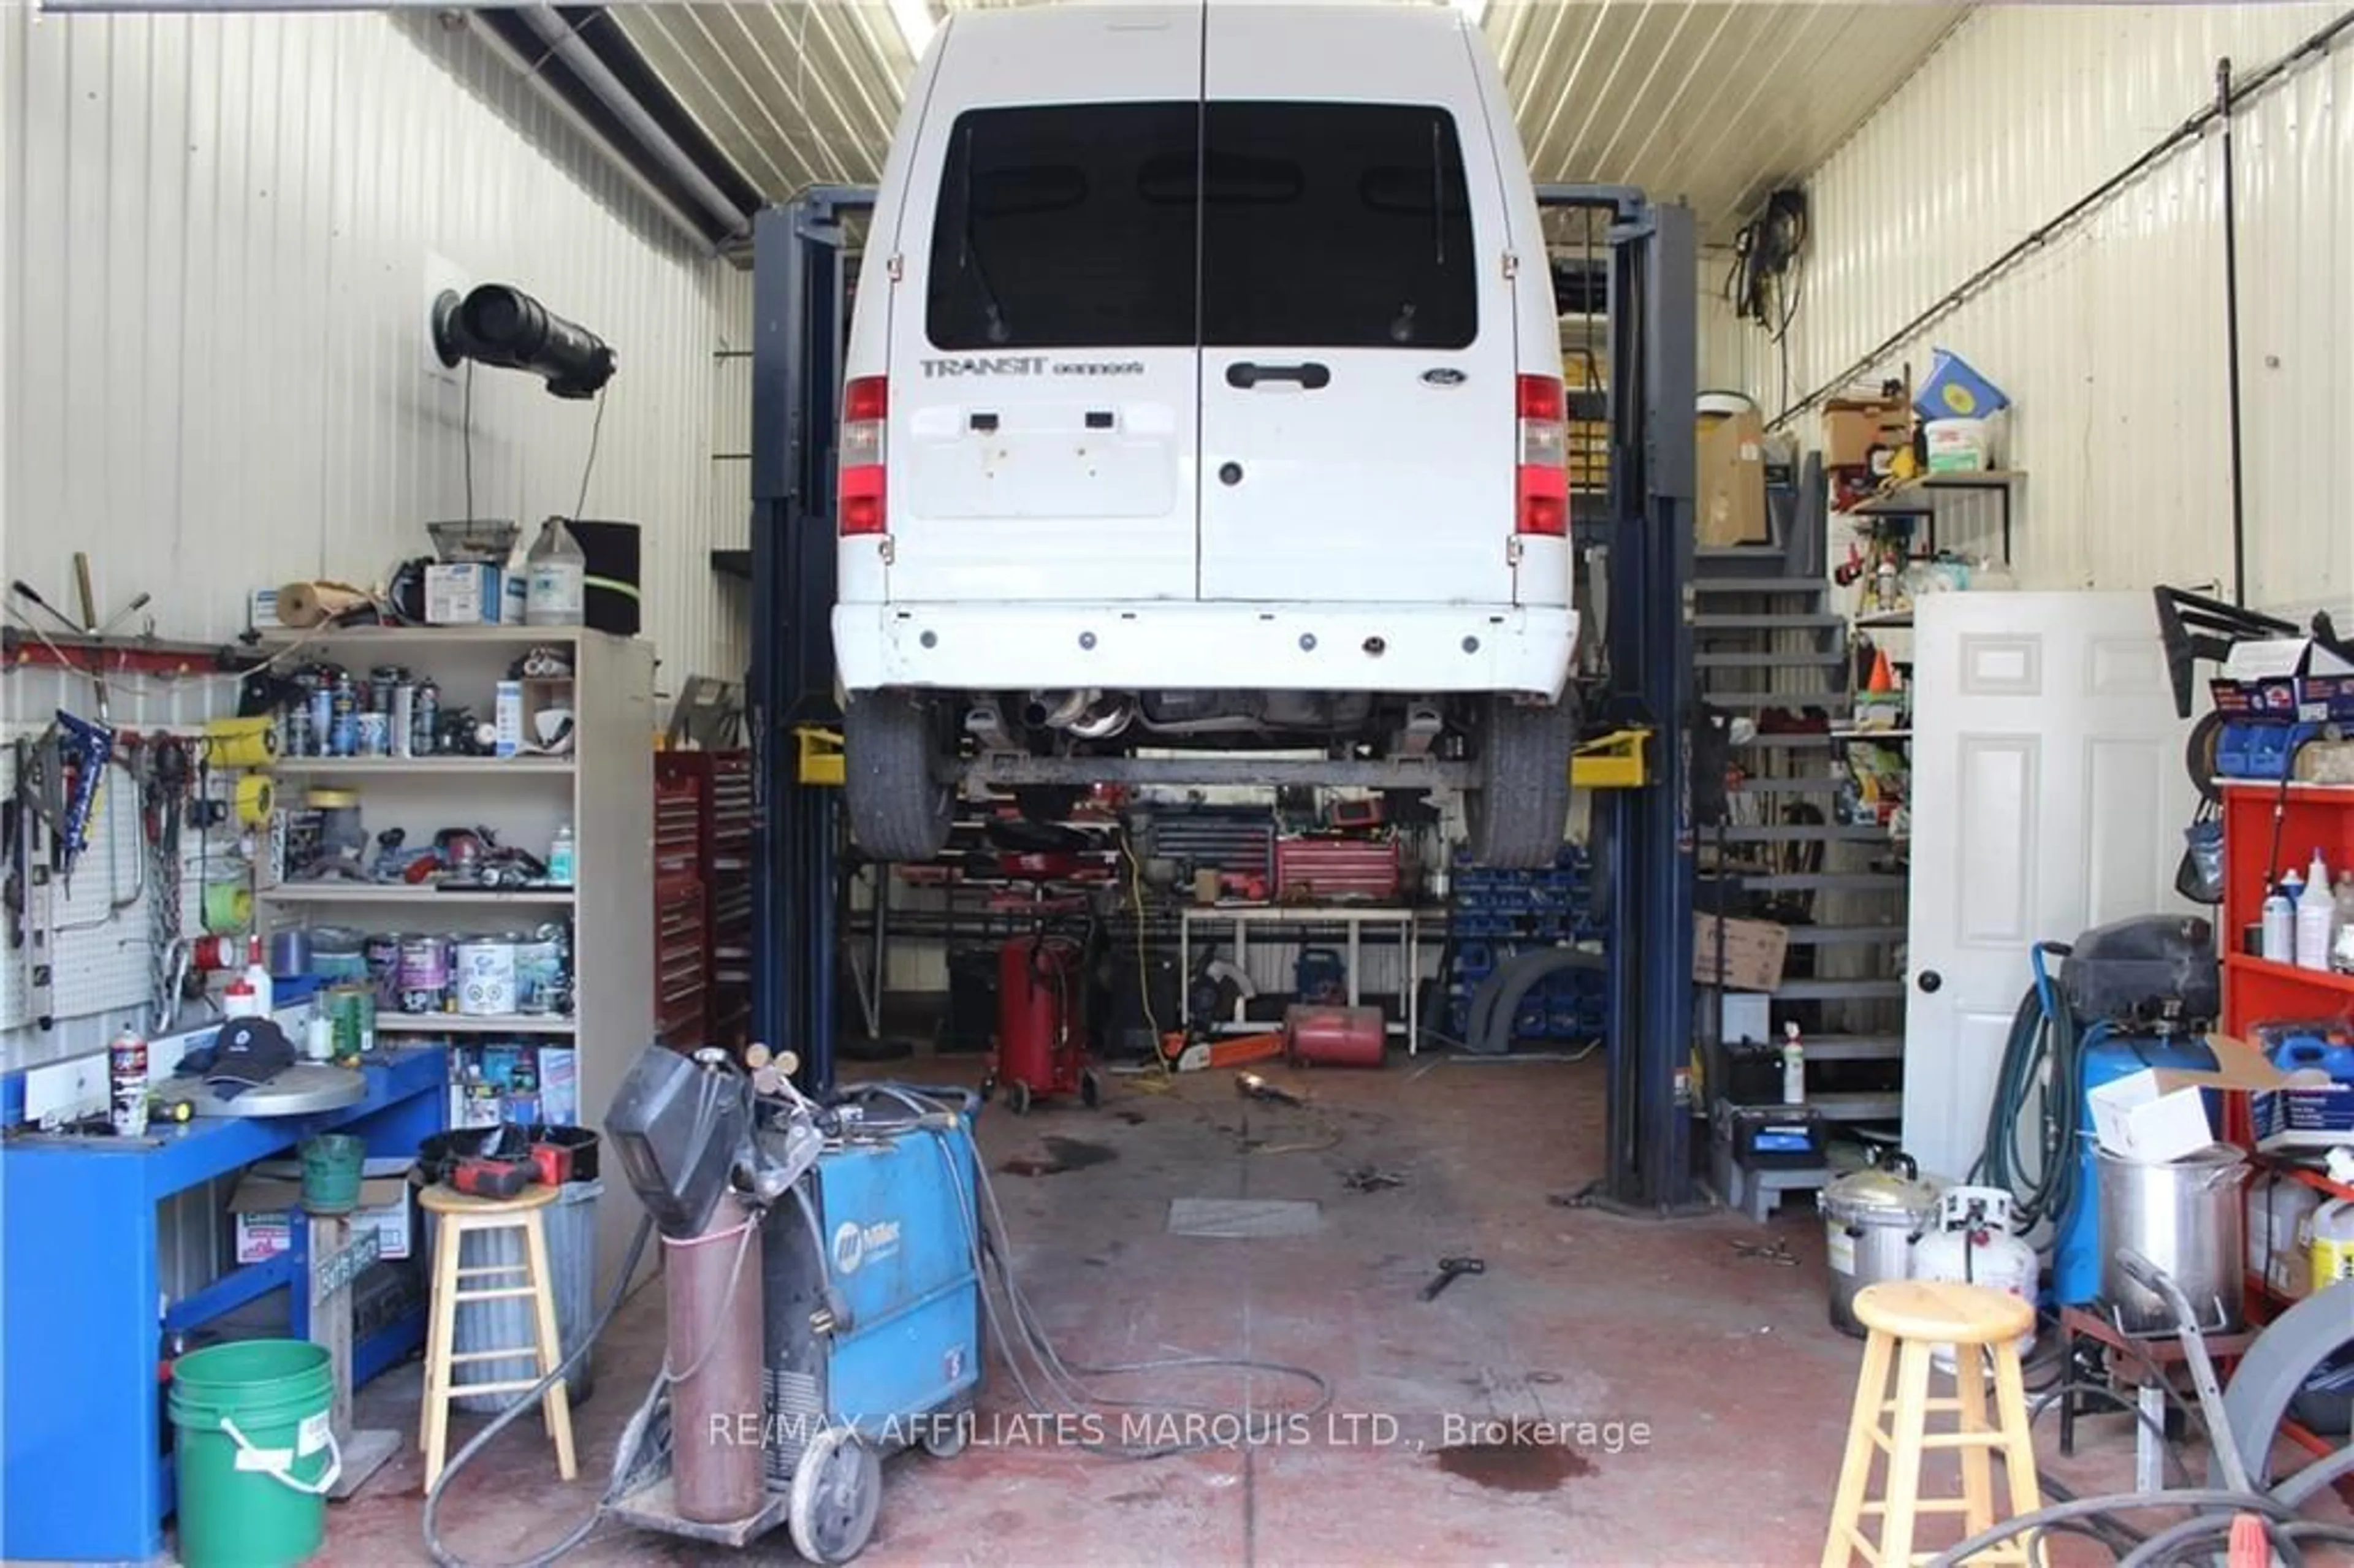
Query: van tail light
(865, 404)
(1543, 484)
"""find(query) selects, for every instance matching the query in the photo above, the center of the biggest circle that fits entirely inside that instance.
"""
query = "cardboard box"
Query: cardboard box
(2159, 1114)
(1730, 471)
(261, 610)
(2304, 1118)
(2284, 678)
(466, 593)
(1754, 952)
(266, 1207)
(1854, 428)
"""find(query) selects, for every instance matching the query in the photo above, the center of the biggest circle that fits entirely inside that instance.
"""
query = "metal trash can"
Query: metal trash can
(571, 1225)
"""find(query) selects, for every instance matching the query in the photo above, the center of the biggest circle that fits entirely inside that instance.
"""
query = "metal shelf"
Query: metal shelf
(424, 767)
(1885, 1106)
(465, 1024)
(417, 636)
(377, 893)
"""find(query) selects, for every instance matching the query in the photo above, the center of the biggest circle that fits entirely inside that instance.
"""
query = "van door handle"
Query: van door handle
(1244, 374)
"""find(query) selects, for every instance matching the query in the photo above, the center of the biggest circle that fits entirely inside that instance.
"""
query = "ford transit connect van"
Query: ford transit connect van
(1203, 390)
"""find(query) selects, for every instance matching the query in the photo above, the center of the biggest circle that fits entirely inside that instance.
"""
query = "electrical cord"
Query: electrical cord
(596, 428)
(2043, 1051)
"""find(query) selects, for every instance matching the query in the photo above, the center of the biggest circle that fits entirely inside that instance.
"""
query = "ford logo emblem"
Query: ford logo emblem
(1442, 377)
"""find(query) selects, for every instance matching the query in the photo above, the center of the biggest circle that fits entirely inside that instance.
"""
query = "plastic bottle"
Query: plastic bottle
(2316, 917)
(1794, 1065)
(2341, 949)
(238, 1000)
(2280, 926)
(560, 858)
(556, 578)
(257, 978)
(2333, 1243)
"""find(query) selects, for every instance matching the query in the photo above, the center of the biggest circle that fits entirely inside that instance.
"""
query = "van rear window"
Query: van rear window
(1047, 235)
(1367, 246)
(1155, 225)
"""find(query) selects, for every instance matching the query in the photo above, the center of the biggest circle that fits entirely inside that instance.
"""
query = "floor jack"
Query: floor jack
(824, 1294)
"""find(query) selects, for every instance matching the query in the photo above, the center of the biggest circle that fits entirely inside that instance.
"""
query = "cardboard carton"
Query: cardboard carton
(1754, 952)
(2158, 1113)
(1730, 461)
(1854, 428)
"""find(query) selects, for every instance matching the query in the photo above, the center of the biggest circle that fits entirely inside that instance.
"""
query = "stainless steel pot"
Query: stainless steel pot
(1871, 1218)
(2185, 1216)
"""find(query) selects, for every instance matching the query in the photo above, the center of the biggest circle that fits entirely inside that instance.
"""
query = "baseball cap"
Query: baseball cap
(249, 1050)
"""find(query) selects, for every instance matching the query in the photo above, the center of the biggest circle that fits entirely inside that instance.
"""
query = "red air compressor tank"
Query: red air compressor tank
(1335, 1036)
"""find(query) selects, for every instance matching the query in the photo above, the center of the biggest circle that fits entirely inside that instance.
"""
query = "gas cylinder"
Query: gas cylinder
(1973, 1244)
(713, 1297)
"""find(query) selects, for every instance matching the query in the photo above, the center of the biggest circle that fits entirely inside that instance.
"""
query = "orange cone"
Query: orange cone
(1883, 675)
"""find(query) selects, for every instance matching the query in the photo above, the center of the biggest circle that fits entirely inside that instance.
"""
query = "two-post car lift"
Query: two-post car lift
(801, 302)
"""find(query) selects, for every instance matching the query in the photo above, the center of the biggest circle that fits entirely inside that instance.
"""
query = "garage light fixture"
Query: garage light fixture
(916, 24)
(499, 325)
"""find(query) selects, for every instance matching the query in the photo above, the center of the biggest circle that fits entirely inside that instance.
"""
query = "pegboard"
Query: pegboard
(102, 963)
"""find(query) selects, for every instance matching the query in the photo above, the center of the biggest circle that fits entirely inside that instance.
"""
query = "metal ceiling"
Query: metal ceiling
(1716, 101)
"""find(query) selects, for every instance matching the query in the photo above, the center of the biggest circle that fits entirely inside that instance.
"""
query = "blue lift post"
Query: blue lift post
(1649, 840)
(801, 297)
(801, 301)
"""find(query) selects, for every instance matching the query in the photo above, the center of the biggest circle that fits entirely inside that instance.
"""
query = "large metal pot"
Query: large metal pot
(1871, 1218)
(2185, 1216)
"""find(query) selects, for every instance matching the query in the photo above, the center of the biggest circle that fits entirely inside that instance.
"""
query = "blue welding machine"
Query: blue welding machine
(865, 1304)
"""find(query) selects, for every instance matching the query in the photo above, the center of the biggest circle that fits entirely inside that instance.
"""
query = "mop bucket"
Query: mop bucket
(257, 1452)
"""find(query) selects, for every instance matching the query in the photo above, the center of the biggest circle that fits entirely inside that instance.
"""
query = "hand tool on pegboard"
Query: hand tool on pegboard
(90, 626)
(164, 771)
(85, 748)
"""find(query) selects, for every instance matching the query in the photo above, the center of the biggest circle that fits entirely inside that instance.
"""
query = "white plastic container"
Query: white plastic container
(2280, 926)
(556, 578)
(1957, 446)
(2280, 1234)
(561, 854)
(1794, 1066)
(2316, 917)
(2333, 1243)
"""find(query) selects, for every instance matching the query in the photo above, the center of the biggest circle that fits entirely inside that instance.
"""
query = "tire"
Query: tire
(837, 1492)
(945, 1433)
(1091, 1088)
(1017, 1096)
(893, 752)
(1517, 815)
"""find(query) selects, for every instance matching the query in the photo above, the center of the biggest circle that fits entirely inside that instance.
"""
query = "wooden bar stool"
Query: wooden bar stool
(461, 1216)
(1908, 1320)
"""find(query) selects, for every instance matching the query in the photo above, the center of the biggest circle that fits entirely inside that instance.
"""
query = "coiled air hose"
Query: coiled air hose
(2044, 1050)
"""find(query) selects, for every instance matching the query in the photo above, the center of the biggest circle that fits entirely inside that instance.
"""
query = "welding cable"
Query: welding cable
(2187, 1541)
(1065, 1378)
(2113, 1503)
(2043, 1051)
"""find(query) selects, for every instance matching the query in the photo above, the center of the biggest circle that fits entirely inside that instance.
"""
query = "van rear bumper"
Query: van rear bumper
(1157, 646)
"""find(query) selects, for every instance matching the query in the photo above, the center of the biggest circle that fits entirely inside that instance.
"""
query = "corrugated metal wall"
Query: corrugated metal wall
(222, 229)
(2110, 339)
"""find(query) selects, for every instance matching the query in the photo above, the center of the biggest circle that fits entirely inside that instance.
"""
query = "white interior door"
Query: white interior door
(2049, 797)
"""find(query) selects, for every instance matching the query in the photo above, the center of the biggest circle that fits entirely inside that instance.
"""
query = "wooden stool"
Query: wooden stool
(462, 1216)
(1908, 1320)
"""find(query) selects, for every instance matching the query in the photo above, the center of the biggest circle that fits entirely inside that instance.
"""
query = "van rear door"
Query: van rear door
(1044, 368)
(1357, 401)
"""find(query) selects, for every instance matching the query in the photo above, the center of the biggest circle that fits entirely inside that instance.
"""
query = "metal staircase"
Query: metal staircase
(1771, 652)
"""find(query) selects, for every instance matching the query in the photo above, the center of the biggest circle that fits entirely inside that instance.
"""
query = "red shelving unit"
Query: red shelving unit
(2256, 819)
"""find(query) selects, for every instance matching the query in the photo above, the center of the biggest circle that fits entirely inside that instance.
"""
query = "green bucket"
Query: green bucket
(257, 1452)
(332, 1164)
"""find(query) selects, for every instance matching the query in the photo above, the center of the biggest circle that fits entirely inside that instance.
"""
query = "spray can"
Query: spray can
(126, 1073)
(428, 706)
(404, 719)
(2280, 926)
(322, 717)
(1794, 1065)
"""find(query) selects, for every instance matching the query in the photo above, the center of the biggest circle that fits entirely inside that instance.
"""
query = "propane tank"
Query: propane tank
(1973, 1244)
(714, 1299)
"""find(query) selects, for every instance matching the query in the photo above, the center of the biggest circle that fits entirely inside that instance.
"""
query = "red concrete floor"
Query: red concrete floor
(1704, 1395)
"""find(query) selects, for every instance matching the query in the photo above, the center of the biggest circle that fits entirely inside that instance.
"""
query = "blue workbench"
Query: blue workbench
(84, 1470)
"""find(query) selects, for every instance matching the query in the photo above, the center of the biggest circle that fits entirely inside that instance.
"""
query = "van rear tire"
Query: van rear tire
(893, 755)
(1517, 815)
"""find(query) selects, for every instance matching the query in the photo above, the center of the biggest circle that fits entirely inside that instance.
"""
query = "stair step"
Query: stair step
(1789, 661)
(1752, 553)
(1809, 989)
(1814, 784)
(1828, 882)
(1815, 586)
(1796, 833)
(1854, 1047)
(1844, 936)
(1793, 740)
(1769, 622)
(1830, 702)
(1884, 1106)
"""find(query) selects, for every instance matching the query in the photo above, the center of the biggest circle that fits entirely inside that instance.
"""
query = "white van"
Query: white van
(1204, 390)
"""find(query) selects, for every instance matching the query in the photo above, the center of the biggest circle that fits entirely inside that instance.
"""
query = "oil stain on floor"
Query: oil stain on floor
(1061, 1154)
(1514, 1466)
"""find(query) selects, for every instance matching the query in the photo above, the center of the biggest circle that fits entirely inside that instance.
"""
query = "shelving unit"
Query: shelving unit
(604, 789)
(2255, 990)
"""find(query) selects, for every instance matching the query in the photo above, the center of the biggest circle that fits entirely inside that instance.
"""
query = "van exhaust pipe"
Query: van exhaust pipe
(1105, 720)
(1058, 710)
